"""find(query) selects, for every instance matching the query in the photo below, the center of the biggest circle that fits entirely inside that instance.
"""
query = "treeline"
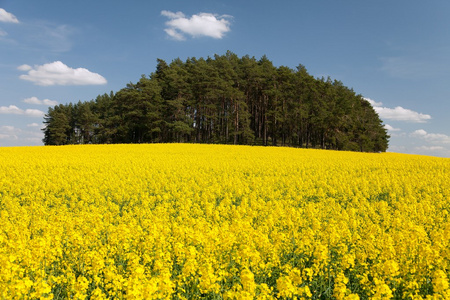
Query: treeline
(226, 100)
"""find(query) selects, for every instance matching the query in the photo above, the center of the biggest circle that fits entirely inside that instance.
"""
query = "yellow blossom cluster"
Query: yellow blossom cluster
(184, 221)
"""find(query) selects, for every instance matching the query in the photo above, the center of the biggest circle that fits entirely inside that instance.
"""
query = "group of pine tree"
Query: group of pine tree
(224, 100)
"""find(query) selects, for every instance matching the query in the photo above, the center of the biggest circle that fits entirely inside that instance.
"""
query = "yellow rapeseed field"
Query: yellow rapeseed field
(182, 221)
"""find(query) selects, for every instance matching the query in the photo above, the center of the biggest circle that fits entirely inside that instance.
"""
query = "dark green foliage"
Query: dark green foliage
(57, 125)
(227, 100)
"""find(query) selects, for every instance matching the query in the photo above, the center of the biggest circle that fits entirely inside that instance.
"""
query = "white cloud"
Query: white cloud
(401, 114)
(24, 68)
(390, 128)
(429, 148)
(436, 138)
(432, 150)
(13, 136)
(398, 113)
(14, 110)
(373, 102)
(9, 133)
(35, 100)
(7, 128)
(202, 24)
(33, 125)
(8, 136)
(57, 73)
(7, 17)
(174, 34)
(172, 15)
(419, 132)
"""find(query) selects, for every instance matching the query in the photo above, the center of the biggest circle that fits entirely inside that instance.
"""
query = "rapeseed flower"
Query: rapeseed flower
(182, 221)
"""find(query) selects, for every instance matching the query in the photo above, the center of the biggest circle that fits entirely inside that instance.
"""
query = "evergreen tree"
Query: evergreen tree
(57, 125)
(224, 99)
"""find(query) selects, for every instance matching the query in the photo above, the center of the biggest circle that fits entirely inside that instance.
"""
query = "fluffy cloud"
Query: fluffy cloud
(390, 128)
(7, 17)
(57, 73)
(14, 110)
(374, 103)
(202, 24)
(35, 100)
(8, 136)
(13, 136)
(436, 138)
(401, 114)
(398, 113)
(8, 133)
(24, 68)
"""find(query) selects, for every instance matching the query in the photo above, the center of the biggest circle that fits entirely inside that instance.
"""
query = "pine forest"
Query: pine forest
(223, 100)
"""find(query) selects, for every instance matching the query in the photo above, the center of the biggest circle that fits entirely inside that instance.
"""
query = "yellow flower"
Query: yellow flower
(440, 283)
(248, 281)
(183, 221)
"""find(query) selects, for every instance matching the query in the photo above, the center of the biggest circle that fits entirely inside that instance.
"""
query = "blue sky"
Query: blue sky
(395, 53)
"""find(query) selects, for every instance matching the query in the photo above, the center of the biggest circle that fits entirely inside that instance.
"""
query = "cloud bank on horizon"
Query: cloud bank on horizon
(436, 142)
(202, 24)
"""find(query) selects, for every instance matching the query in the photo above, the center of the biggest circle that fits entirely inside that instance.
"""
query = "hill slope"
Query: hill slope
(226, 100)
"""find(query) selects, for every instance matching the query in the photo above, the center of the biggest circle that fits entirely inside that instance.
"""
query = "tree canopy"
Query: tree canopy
(223, 99)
